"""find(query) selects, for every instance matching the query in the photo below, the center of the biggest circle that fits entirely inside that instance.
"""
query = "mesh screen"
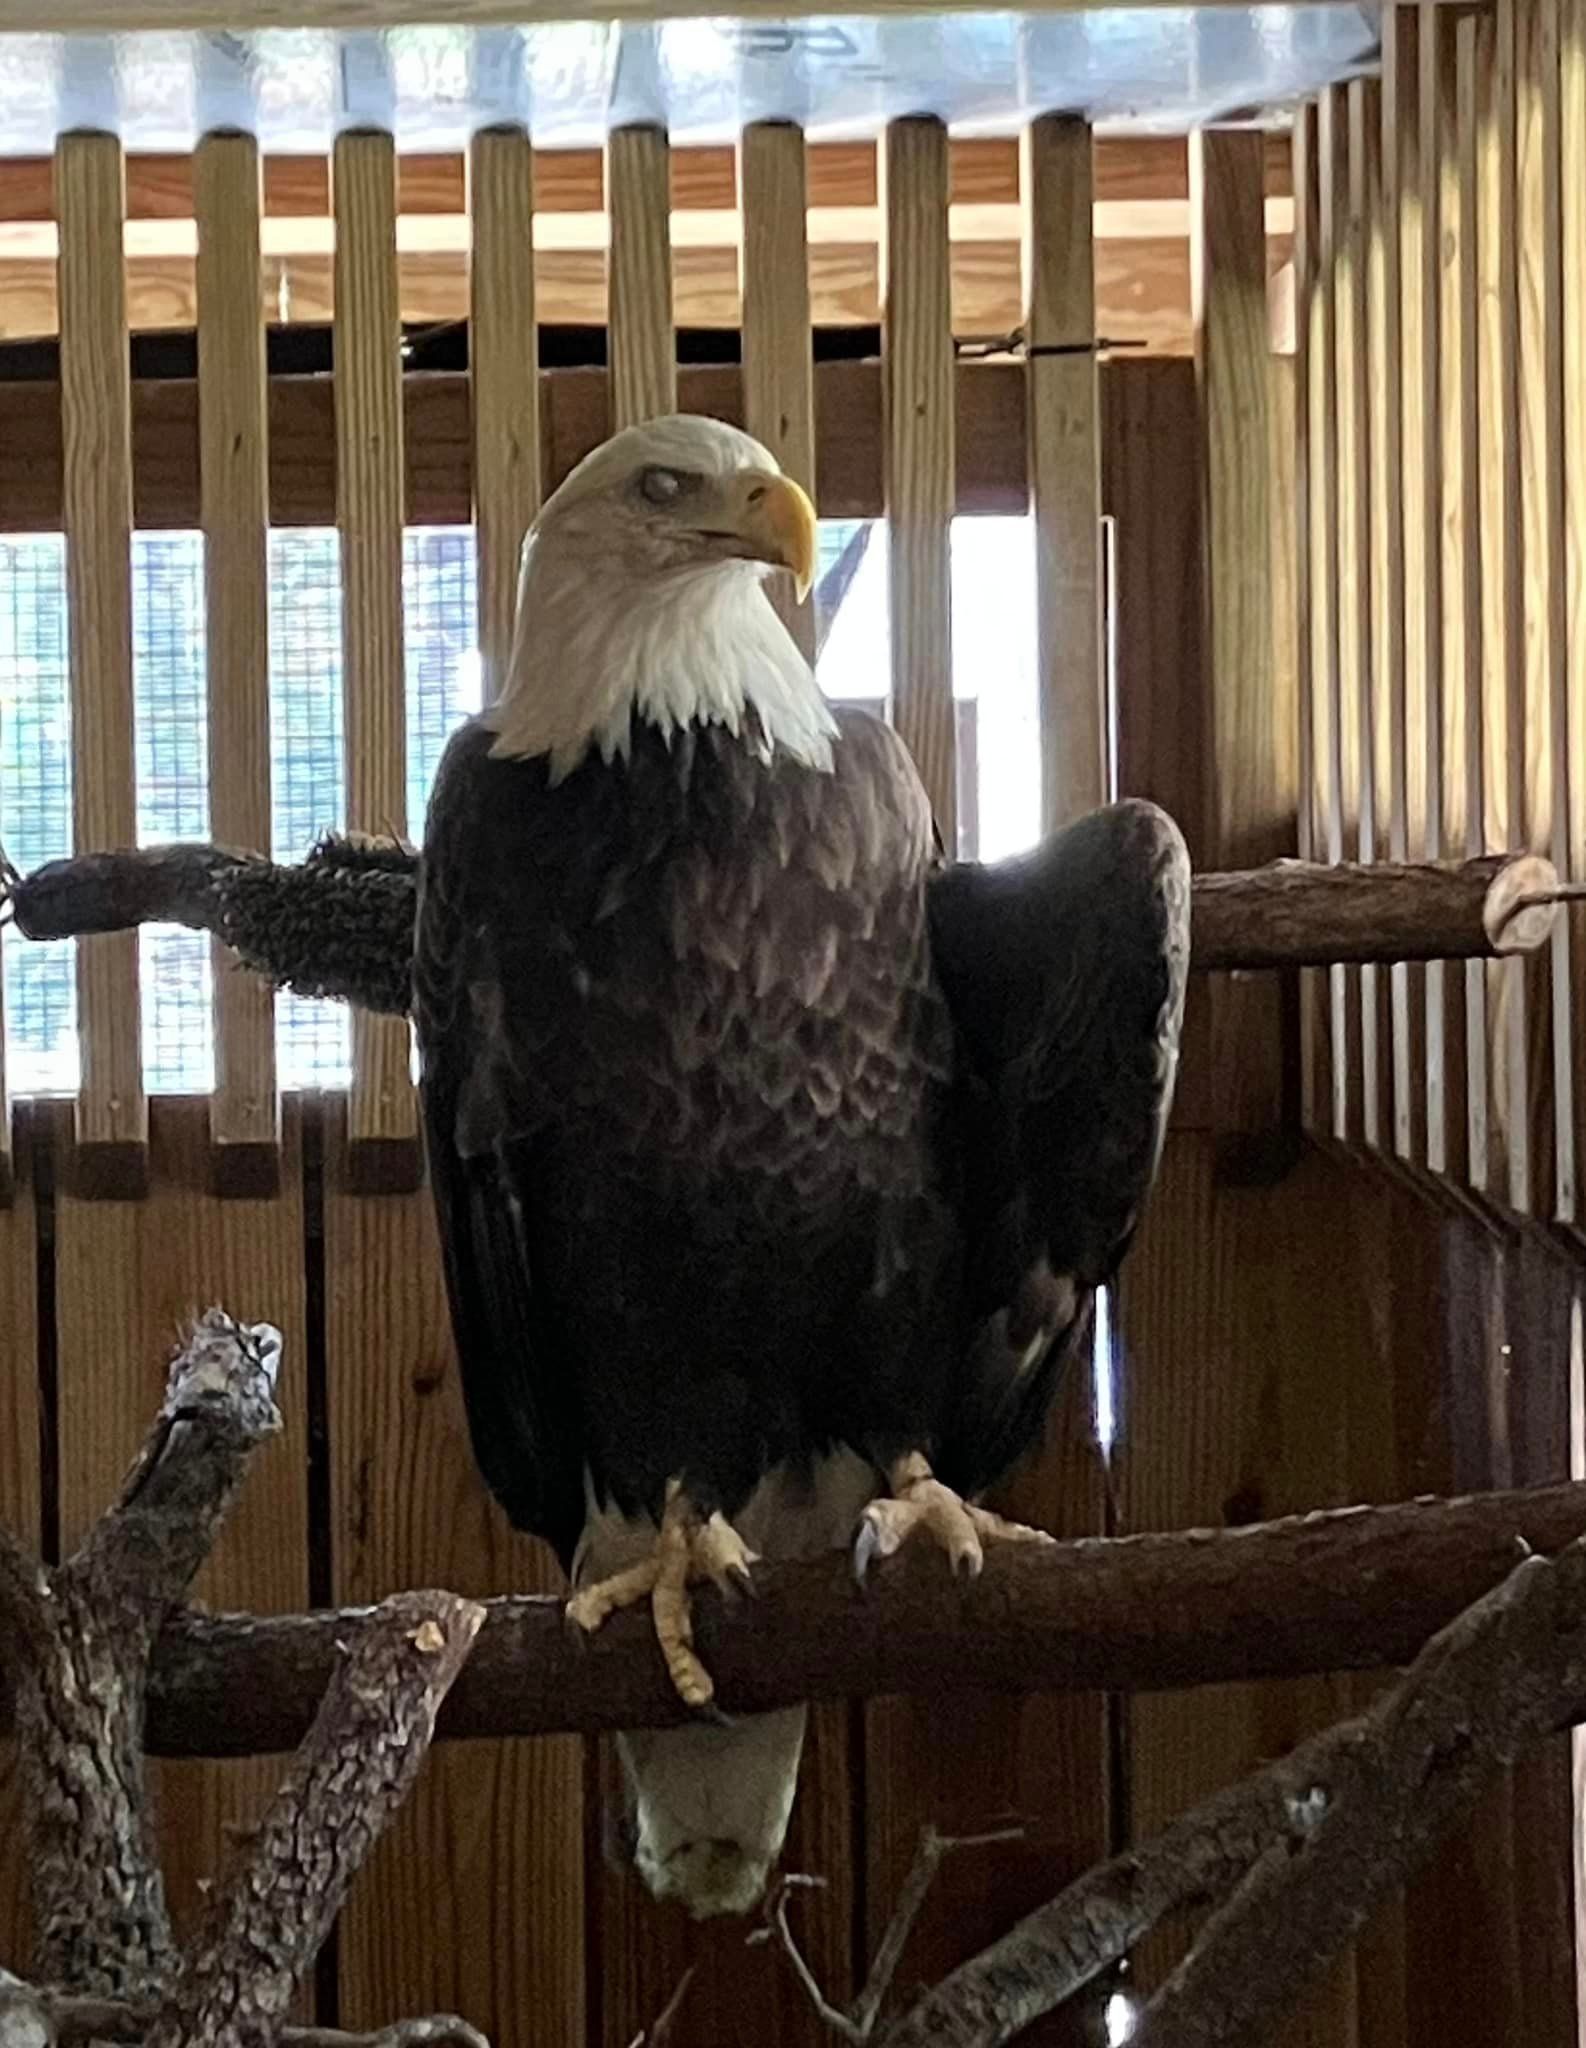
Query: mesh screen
(994, 682)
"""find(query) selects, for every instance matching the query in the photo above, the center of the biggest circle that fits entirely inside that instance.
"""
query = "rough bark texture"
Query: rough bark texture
(355, 1768)
(88, 1629)
(1351, 1589)
(79, 1640)
(1305, 1850)
(340, 923)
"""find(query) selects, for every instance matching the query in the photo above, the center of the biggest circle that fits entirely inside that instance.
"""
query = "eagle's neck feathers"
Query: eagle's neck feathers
(593, 648)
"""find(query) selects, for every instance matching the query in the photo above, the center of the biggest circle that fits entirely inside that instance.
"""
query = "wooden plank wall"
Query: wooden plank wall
(1446, 649)
(1289, 1334)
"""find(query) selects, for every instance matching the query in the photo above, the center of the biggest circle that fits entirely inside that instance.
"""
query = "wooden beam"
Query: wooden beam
(1250, 791)
(245, 1110)
(1539, 228)
(917, 369)
(1065, 465)
(96, 494)
(643, 348)
(1352, 175)
(1572, 145)
(778, 371)
(503, 380)
(382, 1107)
(1330, 625)
(1307, 226)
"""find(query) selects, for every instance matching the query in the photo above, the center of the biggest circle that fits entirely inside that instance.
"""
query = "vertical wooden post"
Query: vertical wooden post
(1539, 235)
(1250, 806)
(1326, 678)
(1407, 709)
(1503, 624)
(643, 348)
(1307, 227)
(1065, 464)
(1572, 179)
(244, 1112)
(778, 364)
(917, 373)
(1354, 793)
(1457, 675)
(370, 495)
(504, 382)
(96, 431)
(1466, 578)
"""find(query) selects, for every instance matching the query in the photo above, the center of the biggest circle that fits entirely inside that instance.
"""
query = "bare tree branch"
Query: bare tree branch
(1306, 1850)
(85, 1632)
(355, 1768)
(114, 2021)
(1346, 1590)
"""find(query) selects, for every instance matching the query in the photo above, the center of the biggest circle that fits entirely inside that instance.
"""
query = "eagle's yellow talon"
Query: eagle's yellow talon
(686, 1551)
(920, 1501)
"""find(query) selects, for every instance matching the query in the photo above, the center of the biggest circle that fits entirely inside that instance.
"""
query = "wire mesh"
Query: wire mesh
(36, 804)
(994, 682)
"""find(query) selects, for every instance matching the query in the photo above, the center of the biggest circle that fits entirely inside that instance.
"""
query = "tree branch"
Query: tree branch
(114, 2021)
(340, 923)
(1351, 1589)
(1306, 1849)
(353, 1771)
(85, 1632)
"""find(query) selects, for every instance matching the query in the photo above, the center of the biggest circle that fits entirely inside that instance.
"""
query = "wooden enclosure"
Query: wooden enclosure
(1345, 608)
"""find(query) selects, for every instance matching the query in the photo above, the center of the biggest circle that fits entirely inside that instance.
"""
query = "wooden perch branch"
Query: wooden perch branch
(340, 923)
(355, 1768)
(78, 1648)
(1305, 1850)
(1352, 1589)
(85, 1632)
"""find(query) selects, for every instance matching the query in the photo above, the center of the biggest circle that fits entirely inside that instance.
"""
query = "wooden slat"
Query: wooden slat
(1466, 580)
(1430, 509)
(245, 1117)
(1385, 651)
(778, 369)
(1503, 643)
(128, 1278)
(21, 1494)
(1065, 470)
(643, 348)
(503, 378)
(1384, 343)
(1250, 788)
(1307, 226)
(917, 374)
(1459, 586)
(474, 1902)
(111, 1113)
(1142, 288)
(1407, 707)
(369, 512)
(1130, 169)
(1329, 623)
(1572, 148)
(1351, 174)
(1540, 223)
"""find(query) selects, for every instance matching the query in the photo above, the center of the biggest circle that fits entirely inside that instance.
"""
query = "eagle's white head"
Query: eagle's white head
(641, 592)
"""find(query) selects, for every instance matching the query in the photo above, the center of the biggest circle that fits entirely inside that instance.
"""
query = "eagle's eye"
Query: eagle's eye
(660, 486)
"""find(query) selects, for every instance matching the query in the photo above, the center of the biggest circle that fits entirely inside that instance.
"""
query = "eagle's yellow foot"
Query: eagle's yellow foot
(919, 1501)
(688, 1548)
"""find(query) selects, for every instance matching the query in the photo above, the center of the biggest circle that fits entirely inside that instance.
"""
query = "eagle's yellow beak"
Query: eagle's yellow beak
(776, 523)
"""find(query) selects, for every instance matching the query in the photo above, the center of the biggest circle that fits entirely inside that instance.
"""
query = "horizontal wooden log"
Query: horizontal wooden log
(340, 923)
(1300, 914)
(1352, 1589)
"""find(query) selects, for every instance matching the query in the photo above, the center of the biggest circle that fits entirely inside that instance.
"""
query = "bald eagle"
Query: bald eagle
(776, 1160)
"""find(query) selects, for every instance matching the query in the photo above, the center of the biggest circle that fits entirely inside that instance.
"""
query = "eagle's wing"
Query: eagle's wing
(523, 1415)
(1064, 972)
